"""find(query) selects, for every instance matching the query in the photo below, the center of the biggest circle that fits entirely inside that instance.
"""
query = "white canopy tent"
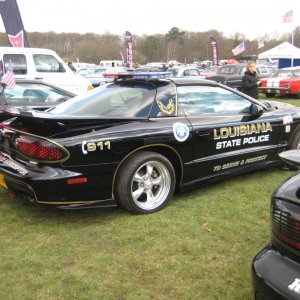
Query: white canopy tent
(284, 50)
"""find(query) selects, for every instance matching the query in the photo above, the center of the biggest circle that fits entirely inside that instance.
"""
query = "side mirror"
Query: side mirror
(256, 110)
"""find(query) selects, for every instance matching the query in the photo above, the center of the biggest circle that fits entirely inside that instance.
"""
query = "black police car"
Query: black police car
(134, 141)
(276, 269)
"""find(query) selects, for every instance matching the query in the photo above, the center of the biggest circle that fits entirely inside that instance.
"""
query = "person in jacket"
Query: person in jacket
(250, 80)
(70, 65)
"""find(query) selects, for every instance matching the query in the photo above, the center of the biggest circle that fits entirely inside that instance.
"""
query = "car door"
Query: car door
(227, 135)
(235, 78)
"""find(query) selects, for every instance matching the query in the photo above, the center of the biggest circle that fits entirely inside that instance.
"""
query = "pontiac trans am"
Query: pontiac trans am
(135, 141)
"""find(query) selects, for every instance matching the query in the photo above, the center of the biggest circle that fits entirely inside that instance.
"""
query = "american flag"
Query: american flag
(9, 77)
(260, 44)
(239, 49)
(288, 17)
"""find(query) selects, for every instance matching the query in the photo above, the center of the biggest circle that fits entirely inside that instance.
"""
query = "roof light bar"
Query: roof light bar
(145, 75)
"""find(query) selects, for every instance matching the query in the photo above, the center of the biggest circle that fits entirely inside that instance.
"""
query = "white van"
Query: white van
(43, 64)
(111, 63)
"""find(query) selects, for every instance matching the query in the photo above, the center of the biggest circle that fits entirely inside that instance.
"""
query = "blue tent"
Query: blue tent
(287, 62)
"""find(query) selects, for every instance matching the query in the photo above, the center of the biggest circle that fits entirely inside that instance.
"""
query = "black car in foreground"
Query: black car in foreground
(135, 141)
(276, 269)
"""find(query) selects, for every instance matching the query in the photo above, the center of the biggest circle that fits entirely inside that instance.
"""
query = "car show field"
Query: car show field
(150, 153)
(200, 247)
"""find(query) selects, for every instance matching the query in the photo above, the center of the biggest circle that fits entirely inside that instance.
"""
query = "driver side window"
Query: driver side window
(199, 100)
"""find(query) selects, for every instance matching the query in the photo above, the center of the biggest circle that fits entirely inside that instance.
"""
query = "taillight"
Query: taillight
(285, 226)
(282, 236)
(110, 75)
(40, 150)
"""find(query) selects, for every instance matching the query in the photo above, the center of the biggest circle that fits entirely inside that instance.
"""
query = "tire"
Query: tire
(295, 141)
(145, 183)
(270, 95)
(294, 144)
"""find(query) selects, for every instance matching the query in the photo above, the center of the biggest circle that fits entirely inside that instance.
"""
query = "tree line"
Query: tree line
(176, 44)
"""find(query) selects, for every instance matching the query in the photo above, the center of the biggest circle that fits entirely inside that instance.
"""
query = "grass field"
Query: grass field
(199, 247)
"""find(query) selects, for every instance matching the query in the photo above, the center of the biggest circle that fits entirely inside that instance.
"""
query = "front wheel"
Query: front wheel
(295, 141)
(145, 183)
(294, 144)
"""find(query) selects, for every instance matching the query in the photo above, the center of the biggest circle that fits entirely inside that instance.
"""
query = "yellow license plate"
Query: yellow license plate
(2, 182)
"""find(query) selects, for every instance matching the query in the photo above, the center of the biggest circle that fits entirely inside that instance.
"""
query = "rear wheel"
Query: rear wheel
(270, 95)
(145, 183)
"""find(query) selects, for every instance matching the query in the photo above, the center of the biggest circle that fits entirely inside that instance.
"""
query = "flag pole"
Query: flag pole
(292, 58)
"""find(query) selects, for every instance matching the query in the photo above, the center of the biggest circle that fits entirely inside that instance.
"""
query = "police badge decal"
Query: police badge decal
(181, 131)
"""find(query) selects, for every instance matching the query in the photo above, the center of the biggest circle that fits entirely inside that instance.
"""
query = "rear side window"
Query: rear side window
(226, 70)
(18, 62)
(165, 102)
(47, 63)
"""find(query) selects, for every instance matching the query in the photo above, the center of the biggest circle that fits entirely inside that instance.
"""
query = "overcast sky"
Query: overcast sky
(252, 18)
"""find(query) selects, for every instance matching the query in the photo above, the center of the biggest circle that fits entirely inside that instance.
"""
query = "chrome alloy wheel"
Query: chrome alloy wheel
(150, 185)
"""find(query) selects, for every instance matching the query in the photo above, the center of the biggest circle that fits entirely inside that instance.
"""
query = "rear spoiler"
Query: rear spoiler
(48, 124)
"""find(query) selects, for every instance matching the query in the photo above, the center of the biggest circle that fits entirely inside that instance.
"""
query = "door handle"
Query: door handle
(203, 131)
(39, 78)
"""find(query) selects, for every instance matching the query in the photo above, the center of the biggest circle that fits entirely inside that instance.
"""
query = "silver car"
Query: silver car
(95, 76)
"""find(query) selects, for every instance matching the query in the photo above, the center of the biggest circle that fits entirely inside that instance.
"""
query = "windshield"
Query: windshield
(288, 73)
(114, 70)
(121, 99)
(34, 94)
(226, 70)
(97, 71)
(174, 71)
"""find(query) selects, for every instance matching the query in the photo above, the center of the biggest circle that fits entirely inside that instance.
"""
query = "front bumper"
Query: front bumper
(274, 88)
(282, 90)
(273, 276)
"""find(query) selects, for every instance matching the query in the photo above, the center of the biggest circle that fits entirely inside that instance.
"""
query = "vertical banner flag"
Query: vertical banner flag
(13, 23)
(214, 46)
(288, 17)
(128, 38)
(239, 49)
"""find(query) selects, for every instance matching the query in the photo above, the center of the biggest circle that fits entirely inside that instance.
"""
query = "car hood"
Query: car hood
(278, 104)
